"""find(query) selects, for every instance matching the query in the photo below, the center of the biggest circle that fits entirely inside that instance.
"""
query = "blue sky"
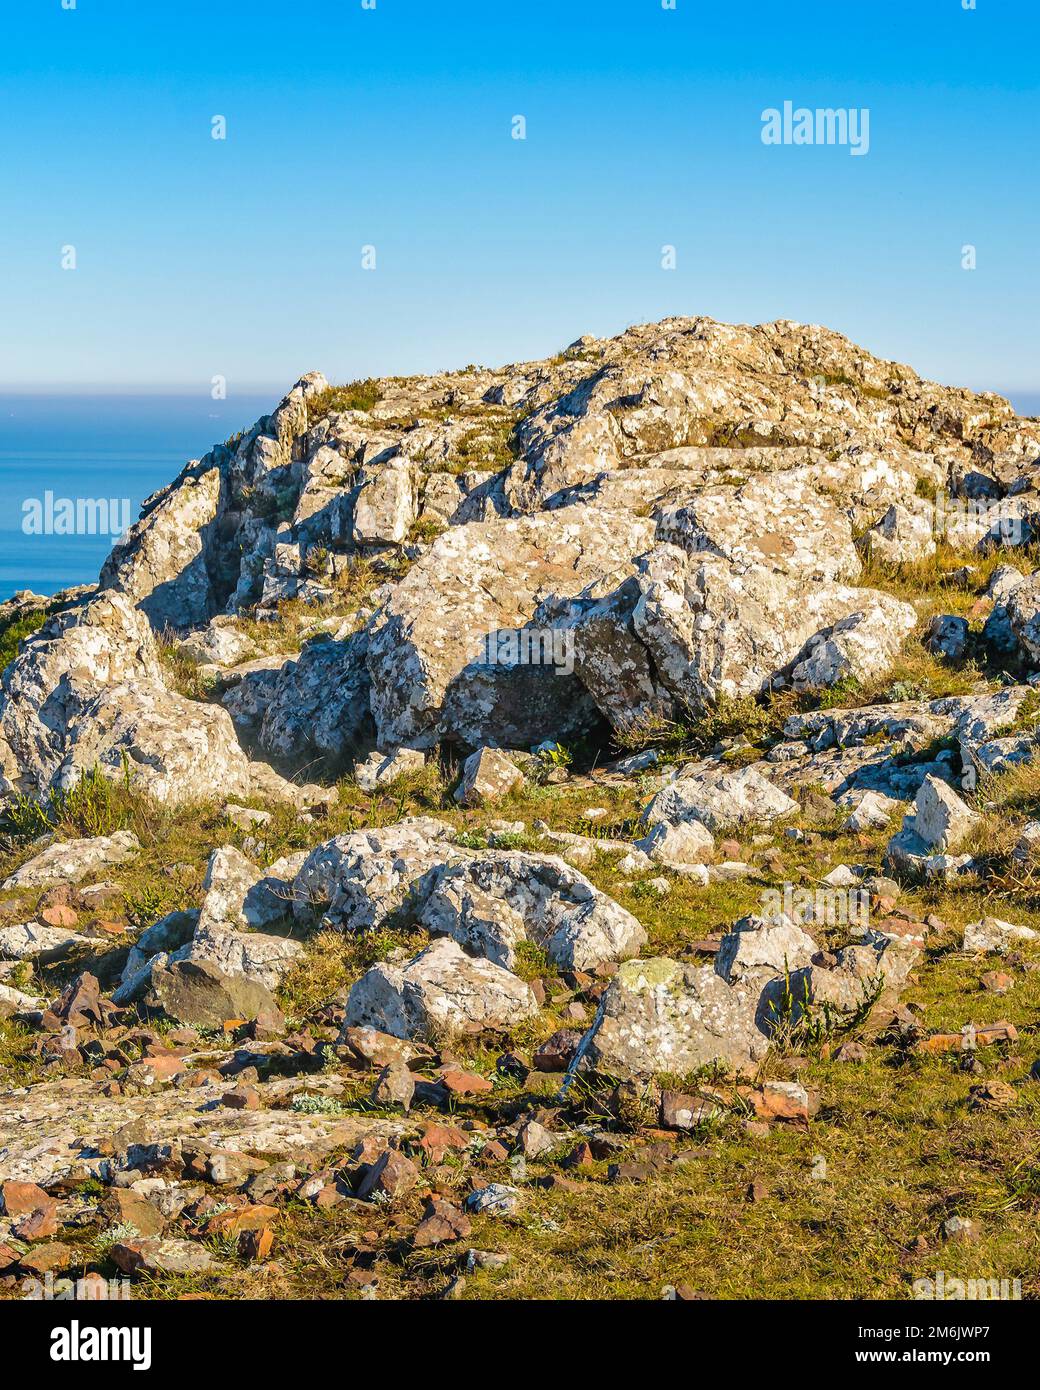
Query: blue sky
(391, 127)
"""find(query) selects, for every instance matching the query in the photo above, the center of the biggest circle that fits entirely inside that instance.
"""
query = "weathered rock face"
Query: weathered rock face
(776, 944)
(316, 708)
(487, 776)
(718, 797)
(429, 647)
(487, 900)
(45, 1131)
(665, 1016)
(174, 749)
(32, 941)
(992, 934)
(74, 655)
(360, 880)
(161, 563)
(650, 522)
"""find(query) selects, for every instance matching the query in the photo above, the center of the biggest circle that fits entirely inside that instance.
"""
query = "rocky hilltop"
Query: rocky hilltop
(600, 749)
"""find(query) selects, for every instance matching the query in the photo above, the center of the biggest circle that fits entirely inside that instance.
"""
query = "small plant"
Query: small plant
(792, 1024)
(425, 530)
(23, 818)
(317, 1105)
(116, 1235)
(16, 632)
(96, 805)
(553, 757)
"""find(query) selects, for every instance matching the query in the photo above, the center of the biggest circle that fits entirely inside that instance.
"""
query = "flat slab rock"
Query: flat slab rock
(719, 797)
(52, 1130)
(70, 861)
(32, 941)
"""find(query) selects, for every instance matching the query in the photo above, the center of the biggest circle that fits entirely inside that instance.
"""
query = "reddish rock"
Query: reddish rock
(555, 1182)
(242, 1098)
(557, 1052)
(464, 1083)
(254, 1217)
(392, 1174)
(256, 1245)
(442, 1222)
(163, 1066)
(494, 1152)
(629, 1172)
(124, 1207)
(439, 1140)
(49, 1259)
(23, 1198)
(60, 915)
(40, 1224)
(682, 1111)
(997, 982)
(785, 1100)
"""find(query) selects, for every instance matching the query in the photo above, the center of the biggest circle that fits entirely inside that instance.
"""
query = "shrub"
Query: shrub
(356, 395)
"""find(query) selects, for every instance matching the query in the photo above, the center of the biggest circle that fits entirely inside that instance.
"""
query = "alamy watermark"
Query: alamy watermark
(803, 125)
(91, 1289)
(531, 646)
(76, 516)
(997, 516)
(944, 1288)
(832, 907)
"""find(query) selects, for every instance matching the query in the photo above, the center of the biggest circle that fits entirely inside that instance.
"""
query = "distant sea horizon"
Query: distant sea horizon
(119, 447)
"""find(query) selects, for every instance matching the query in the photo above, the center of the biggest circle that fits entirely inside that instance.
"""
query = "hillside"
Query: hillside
(565, 830)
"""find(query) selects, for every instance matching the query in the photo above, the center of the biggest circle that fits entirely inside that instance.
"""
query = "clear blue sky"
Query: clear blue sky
(392, 127)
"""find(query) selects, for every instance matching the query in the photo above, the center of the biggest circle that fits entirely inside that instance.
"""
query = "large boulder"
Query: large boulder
(356, 882)
(437, 665)
(495, 900)
(712, 628)
(661, 1015)
(175, 750)
(102, 642)
(439, 992)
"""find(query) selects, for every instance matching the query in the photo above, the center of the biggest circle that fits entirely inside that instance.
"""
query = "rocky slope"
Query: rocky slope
(789, 580)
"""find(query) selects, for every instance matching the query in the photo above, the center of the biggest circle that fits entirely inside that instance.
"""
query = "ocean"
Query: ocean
(63, 453)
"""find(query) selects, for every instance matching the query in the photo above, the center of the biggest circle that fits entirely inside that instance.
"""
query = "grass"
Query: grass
(855, 1234)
